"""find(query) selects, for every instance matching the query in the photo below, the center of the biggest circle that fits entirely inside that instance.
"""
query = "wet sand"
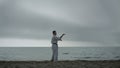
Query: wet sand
(61, 64)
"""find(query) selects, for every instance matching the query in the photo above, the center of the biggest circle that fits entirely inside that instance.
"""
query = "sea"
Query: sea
(65, 53)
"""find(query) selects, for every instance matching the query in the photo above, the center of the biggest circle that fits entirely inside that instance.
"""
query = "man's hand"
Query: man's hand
(63, 34)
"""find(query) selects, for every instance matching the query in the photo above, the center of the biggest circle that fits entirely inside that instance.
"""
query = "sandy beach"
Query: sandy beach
(61, 64)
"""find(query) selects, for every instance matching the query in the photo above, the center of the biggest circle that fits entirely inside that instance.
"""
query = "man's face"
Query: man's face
(55, 33)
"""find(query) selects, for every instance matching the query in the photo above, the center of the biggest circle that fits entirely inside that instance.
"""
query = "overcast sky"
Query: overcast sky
(85, 22)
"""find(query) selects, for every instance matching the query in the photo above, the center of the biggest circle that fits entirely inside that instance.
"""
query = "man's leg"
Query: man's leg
(52, 56)
(56, 53)
(52, 59)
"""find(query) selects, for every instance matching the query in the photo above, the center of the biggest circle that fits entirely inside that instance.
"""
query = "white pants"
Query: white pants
(55, 52)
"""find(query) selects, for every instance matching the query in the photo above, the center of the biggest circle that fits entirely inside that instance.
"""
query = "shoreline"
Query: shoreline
(58, 60)
(62, 64)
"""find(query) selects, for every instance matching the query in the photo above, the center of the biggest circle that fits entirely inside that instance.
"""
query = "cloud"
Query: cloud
(82, 20)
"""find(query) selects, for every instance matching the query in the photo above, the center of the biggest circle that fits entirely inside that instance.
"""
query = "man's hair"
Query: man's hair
(54, 32)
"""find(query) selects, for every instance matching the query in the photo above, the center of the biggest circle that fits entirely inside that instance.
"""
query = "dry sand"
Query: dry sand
(61, 64)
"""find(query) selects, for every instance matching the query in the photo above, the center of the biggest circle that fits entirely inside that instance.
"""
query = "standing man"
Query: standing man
(54, 42)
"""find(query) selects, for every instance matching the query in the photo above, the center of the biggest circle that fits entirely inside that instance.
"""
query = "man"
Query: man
(54, 42)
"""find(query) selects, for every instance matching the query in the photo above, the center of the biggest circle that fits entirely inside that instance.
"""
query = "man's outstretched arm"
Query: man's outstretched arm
(62, 36)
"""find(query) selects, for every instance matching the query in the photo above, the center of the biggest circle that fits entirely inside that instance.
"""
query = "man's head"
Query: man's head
(54, 32)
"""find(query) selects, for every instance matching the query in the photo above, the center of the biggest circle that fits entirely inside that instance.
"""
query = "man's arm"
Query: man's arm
(62, 36)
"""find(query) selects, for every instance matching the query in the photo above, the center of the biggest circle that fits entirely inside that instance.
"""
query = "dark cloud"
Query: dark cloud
(82, 20)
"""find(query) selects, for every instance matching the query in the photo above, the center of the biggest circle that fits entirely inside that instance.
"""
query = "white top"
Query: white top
(55, 39)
